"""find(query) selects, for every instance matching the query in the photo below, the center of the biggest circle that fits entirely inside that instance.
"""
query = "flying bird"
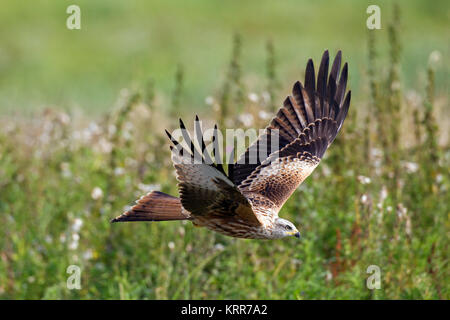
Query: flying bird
(243, 199)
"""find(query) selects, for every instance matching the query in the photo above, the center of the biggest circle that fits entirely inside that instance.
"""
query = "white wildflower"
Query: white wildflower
(408, 228)
(104, 145)
(88, 254)
(73, 245)
(364, 198)
(64, 118)
(112, 129)
(48, 239)
(383, 194)
(76, 226)
(263, 115)
(219, 247)
(253, 97)
(65, 170)
(411, 167)
(326, 170)
(171, 245)
(209, 100)
(434, 58)
(265, 96)
(364, 180)
(118, 171)
(94, 128)
(97, 193)
(246, 119)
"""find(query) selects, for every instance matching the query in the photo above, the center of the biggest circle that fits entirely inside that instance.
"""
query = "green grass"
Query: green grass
(380, 197)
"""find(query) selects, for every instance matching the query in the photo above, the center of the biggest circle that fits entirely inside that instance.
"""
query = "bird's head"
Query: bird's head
(284, 228)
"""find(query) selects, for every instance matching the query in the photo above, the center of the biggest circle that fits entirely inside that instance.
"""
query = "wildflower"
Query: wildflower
(112, 129)
(364, 199)
(411, 167)
(104, 145)
(434, 58)
(62, 238)
(246, 119)
(93, 128)
(100, 266)
(64, 118)
(97, 193)
(219, 247)
(48, 239)
(383, 194)
(73, 245)
(401, 211)
(326, 170)
(65, 170)
(408, 228)
(88, 254)
(209, 100)
(119, 171)
(76, 226)
(266, 97)
(263, 115)
(171, 245)
(75, 237)
(253, 97)
(413, 98)
(364, 180)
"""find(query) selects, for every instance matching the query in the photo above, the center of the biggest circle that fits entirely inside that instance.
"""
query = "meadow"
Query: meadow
(77, 151)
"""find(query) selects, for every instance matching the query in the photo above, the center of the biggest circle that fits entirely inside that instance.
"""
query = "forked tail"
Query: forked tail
(155, 206)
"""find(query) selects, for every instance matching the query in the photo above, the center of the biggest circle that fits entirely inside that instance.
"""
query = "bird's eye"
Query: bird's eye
(288, 227)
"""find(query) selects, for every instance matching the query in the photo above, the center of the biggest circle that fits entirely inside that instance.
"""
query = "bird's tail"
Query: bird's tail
(155, 206)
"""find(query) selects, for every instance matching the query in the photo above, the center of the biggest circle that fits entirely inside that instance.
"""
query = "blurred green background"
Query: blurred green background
(76, 149)
(124, 43)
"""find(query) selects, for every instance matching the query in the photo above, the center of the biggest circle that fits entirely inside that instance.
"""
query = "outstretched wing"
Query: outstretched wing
(204, 188)
(306, 125)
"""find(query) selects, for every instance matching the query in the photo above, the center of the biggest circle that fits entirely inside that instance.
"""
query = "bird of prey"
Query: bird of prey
(243, 201)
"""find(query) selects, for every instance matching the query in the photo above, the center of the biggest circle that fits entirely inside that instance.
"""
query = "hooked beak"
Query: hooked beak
(295, 234)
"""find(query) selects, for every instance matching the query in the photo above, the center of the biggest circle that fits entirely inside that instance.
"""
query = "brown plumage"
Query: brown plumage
(244, 200)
